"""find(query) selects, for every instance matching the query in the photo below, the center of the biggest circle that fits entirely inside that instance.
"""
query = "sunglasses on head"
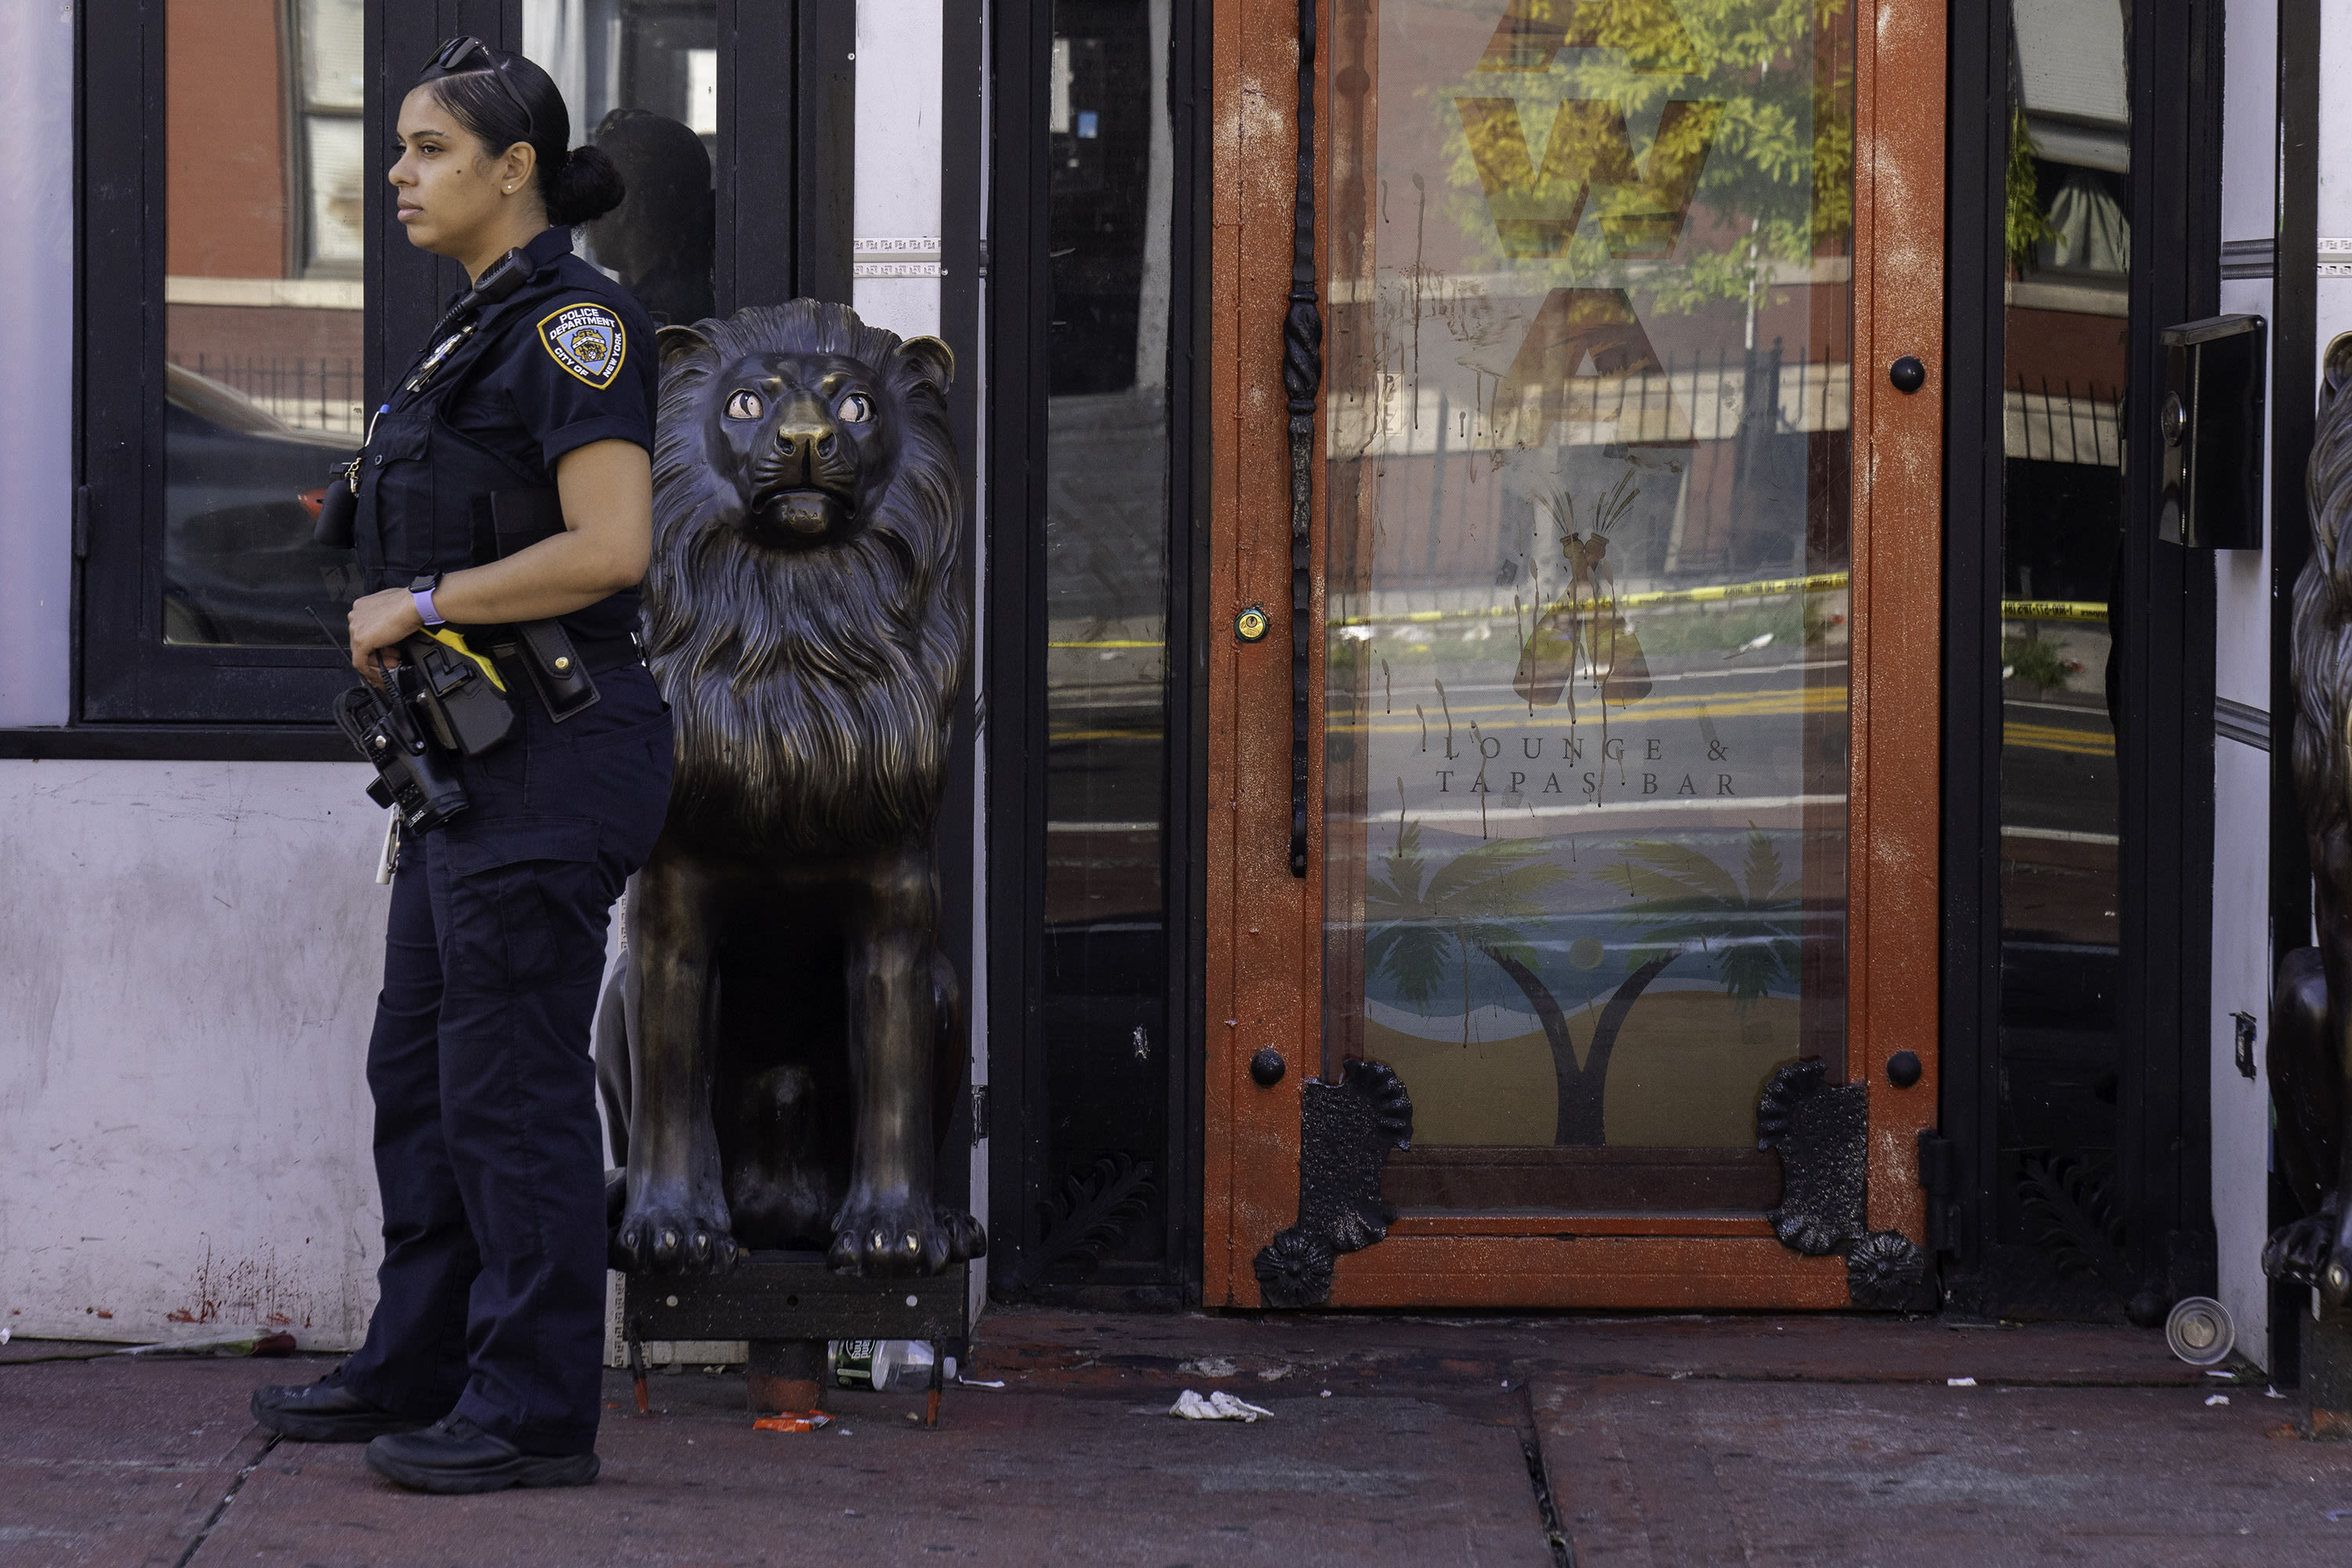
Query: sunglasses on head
(470, 54)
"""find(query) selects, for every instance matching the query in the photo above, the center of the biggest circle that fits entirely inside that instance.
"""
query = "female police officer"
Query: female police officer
(538, 386)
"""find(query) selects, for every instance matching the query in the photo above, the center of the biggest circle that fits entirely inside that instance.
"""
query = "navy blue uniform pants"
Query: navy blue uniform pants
(487, 1144)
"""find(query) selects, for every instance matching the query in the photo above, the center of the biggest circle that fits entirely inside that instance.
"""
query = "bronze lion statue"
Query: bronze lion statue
(2311, 1007)
(790, 1040)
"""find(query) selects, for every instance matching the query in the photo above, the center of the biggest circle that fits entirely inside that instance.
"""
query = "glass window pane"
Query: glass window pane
(263, 349)
(334, 54)
(338, 204)
(2068, 234)
(641, 79)
(1105, 943)
(1587, 487)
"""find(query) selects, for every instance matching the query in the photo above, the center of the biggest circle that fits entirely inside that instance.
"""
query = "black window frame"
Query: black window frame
(2165, 639)
(1020, 311)
(131, 693)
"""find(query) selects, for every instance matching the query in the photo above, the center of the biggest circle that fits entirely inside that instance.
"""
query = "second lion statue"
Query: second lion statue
(791, 1026)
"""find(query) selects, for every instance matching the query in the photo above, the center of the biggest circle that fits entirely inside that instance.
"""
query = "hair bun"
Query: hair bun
(583, 188)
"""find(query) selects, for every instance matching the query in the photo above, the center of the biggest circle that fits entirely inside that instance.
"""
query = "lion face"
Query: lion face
(806, 619)
(801, 434)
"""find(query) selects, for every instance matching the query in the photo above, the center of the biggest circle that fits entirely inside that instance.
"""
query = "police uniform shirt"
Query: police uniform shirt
(567, 360)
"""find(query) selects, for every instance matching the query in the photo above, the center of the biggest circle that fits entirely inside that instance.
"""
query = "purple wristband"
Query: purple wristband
(422, 598)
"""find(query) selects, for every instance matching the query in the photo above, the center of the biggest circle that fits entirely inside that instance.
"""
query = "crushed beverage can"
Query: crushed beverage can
(852, 1362)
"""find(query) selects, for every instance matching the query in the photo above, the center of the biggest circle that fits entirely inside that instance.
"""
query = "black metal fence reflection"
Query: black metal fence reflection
(307, 394)
(2064, 424)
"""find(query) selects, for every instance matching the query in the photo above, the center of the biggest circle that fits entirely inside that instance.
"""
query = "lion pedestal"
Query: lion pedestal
(790, 1034)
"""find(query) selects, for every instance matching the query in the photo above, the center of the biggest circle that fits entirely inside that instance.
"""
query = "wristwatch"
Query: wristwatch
(421, 593)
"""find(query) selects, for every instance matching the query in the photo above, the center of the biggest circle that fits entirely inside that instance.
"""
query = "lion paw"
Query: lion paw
(967, 1238)
(886, 1237)
(679, 1236)
(2308, 1252)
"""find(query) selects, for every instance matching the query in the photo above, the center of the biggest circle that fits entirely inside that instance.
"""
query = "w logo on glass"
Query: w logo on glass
(1536, 208)
(1537, 202)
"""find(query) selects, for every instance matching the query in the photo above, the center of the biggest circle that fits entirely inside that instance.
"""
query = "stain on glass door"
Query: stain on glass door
(1588, 470)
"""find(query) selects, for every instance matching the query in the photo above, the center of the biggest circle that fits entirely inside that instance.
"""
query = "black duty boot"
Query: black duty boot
(452, 1454)
(325, 1412)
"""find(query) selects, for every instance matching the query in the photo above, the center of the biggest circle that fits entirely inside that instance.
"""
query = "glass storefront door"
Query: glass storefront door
(1627, 759)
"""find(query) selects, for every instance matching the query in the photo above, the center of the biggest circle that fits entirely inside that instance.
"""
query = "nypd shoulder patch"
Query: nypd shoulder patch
(587, 341)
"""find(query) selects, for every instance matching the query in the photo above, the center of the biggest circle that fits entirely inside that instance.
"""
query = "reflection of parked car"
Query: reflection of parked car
(238, 564)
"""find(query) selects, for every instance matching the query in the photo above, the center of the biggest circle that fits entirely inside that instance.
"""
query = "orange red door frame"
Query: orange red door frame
(1265, 940)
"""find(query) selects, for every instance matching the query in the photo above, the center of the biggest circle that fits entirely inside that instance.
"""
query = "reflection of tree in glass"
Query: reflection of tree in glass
(1747, 925)
(2025, 227)
(1753, 134)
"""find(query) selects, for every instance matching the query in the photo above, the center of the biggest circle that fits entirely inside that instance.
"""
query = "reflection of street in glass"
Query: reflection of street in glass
(262, 320)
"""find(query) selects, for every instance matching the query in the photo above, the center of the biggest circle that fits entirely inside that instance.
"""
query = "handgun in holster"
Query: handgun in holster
(457, 692)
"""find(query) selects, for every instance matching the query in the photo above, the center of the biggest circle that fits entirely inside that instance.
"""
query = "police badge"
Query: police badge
(587, 341)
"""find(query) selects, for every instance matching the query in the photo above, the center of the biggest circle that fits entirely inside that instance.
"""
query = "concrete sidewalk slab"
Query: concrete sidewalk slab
(1092, 1476)
(1666, 1440)
(114, 1462)
(1701, 1472)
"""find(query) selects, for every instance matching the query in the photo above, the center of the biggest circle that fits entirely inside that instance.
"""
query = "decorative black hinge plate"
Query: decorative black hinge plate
(1346, 1131)
(1822, 1136)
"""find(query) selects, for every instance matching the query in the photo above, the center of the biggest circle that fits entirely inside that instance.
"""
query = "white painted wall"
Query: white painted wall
(36, 360)
(189, 955)
(897, 202)
(2335, 314)
(2241, 944)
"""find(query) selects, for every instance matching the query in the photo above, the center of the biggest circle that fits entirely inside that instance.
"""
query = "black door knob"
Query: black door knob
(1908, 373)
(1903, 1068)
(1267, 1066)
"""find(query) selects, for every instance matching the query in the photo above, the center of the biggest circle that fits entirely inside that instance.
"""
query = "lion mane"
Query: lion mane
(813, 687)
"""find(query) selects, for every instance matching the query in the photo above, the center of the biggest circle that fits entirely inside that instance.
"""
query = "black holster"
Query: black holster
(339, 508)
(557, 672)
(456, 699)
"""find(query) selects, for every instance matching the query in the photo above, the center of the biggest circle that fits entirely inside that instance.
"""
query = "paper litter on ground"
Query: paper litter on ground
(791, 1421)
(1960, 1383)
(1217, 1406)
(2218, 1399)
